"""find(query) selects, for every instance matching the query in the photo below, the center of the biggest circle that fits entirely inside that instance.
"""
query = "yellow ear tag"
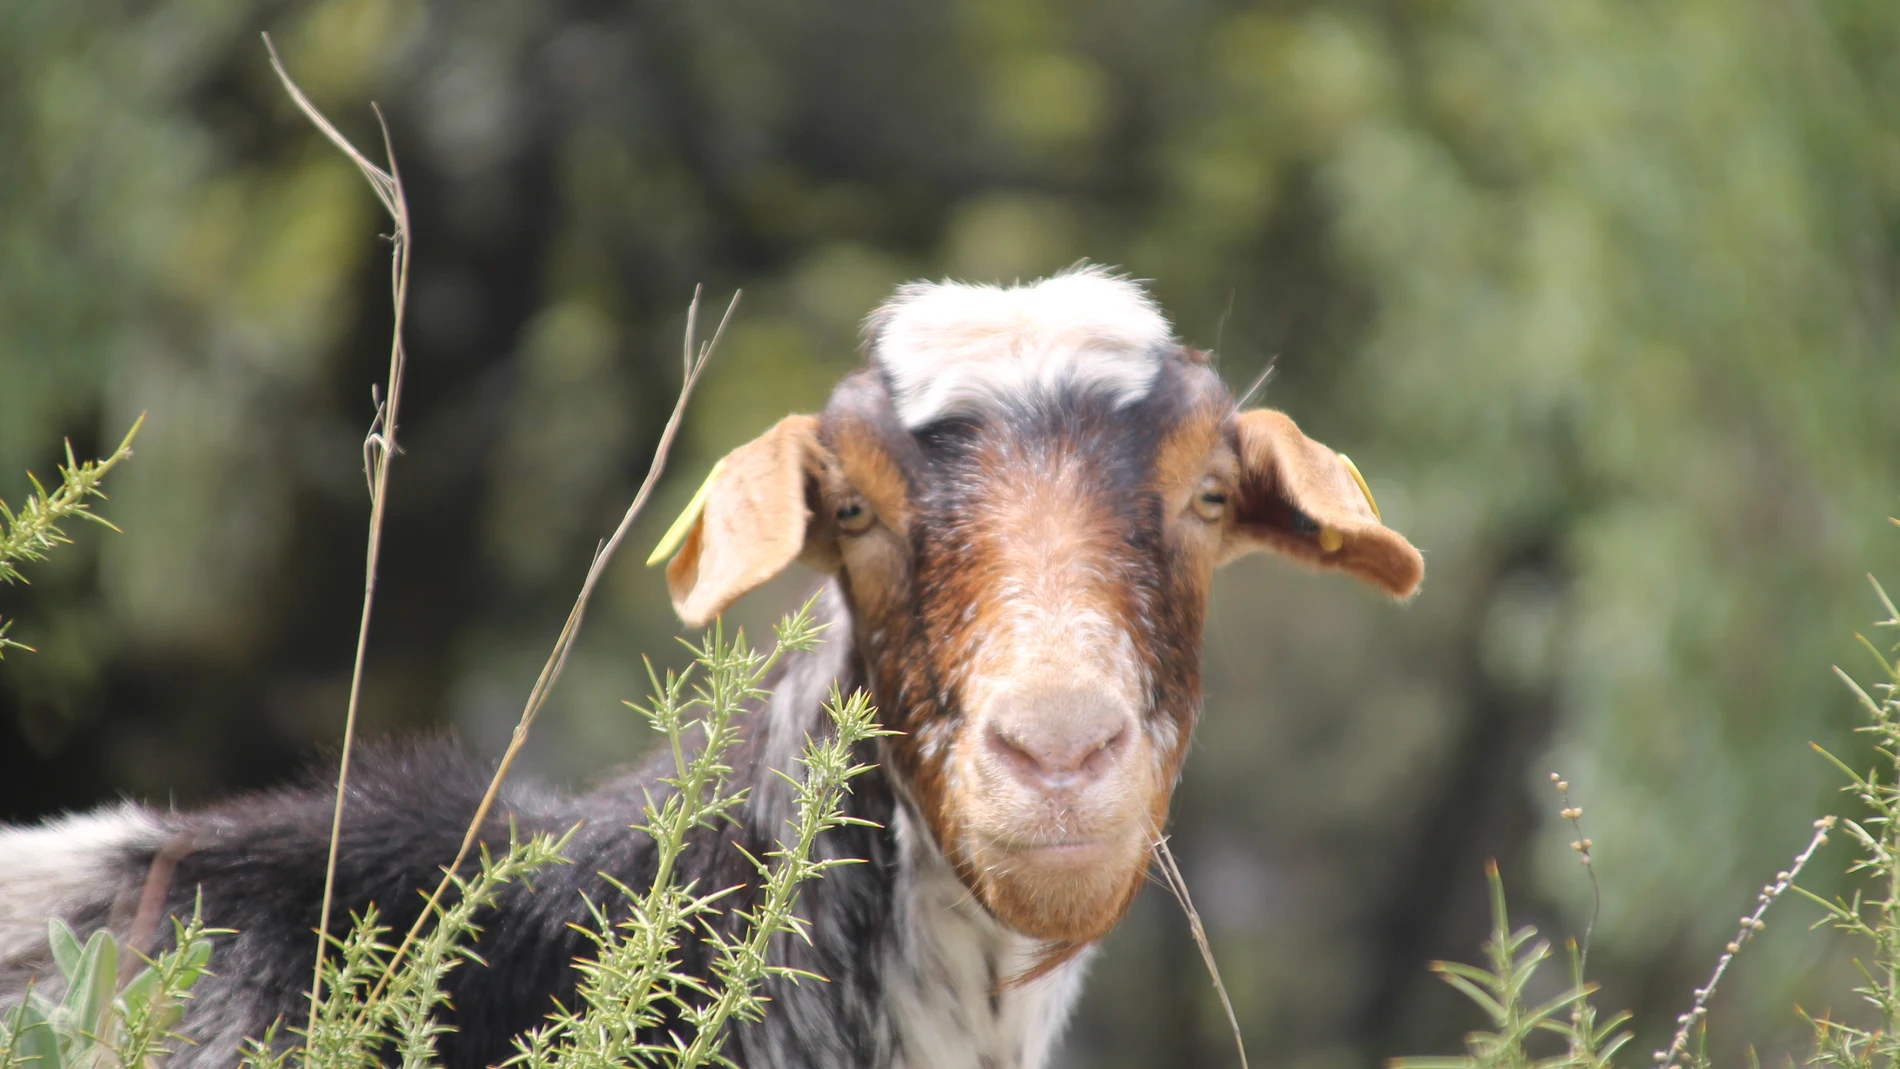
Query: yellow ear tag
(1363, 488)
(1330, 539)
(670, 541)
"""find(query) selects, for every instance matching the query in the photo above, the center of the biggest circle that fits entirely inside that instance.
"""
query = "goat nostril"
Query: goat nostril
(1056, 758)
(1016, 754)
(1104, 756)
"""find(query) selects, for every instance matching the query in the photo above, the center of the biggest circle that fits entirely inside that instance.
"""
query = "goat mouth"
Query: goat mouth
(1066, 852)
(1061, 887)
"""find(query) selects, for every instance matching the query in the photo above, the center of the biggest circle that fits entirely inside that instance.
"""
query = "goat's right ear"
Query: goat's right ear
(1300, 499)
(753, 523)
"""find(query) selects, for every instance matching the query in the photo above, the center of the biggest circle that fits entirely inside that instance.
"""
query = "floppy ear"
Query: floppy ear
(753, 524)
(1301, 499)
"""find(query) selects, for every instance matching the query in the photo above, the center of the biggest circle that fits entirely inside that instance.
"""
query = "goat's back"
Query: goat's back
(258, 862)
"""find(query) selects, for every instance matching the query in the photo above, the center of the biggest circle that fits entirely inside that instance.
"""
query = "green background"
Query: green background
(1599, 294)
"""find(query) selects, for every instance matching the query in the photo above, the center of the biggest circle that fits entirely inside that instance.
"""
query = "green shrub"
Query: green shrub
(1873, 917)
(1513, 959)
(101, 1023)
(31, 531)
(634, 980)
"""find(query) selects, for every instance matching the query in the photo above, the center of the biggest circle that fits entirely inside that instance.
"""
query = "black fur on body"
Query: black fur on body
(259, 862)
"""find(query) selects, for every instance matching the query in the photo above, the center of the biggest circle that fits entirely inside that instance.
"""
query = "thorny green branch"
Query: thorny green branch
(1501, 989)
(351, 1028)
(635, 982)
(1875, 919)
(31, 531)
(376, 1011)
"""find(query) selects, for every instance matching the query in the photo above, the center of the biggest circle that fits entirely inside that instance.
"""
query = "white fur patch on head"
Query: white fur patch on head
(950, 348)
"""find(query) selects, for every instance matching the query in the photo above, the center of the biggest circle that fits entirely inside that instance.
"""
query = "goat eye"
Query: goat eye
(854, 517)
(1302, 523)
(1210, 500)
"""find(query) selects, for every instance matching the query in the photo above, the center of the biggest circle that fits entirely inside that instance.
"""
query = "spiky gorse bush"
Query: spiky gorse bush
(372, 1006)
(1568, 1021)
(635, 981)
(1873, 914)
(32, 530)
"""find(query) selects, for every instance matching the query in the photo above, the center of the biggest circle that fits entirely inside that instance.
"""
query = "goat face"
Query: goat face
(1024, 496)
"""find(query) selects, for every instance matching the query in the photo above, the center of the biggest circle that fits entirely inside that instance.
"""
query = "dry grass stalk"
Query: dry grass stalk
(379, 447)
(694, 362)
(1177, 885)
(1581, 846)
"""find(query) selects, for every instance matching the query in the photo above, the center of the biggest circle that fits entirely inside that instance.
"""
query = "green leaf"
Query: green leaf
(1469, 972)
(1550, 1008)
(138, 991)
(34, 1041)
(1607, 1047)
(1491, 1006)
(197, 956)
(92, 984)
(65, 946)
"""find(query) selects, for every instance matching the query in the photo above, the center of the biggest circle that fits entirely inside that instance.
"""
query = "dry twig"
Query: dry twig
(1177, 885)
(379, 447)
(1581, 846)
(1678, 1050)
(694, 362)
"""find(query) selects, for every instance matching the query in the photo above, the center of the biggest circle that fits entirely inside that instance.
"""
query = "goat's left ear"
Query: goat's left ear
(753, 522)
(1301, 499)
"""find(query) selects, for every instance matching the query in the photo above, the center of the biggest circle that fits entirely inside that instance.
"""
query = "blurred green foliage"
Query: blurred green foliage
(1599, 294)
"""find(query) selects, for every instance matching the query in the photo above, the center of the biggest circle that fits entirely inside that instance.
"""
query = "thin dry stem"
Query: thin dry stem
(1679, 1047)
(1260, 381)
(1177, 885)
(1581, 844)
(379, 447)
(694, 362)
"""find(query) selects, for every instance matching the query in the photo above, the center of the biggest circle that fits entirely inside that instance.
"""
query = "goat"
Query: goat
(1019, 502)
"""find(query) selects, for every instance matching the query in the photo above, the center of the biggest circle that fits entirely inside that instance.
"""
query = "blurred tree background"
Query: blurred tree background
(1600, 295)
